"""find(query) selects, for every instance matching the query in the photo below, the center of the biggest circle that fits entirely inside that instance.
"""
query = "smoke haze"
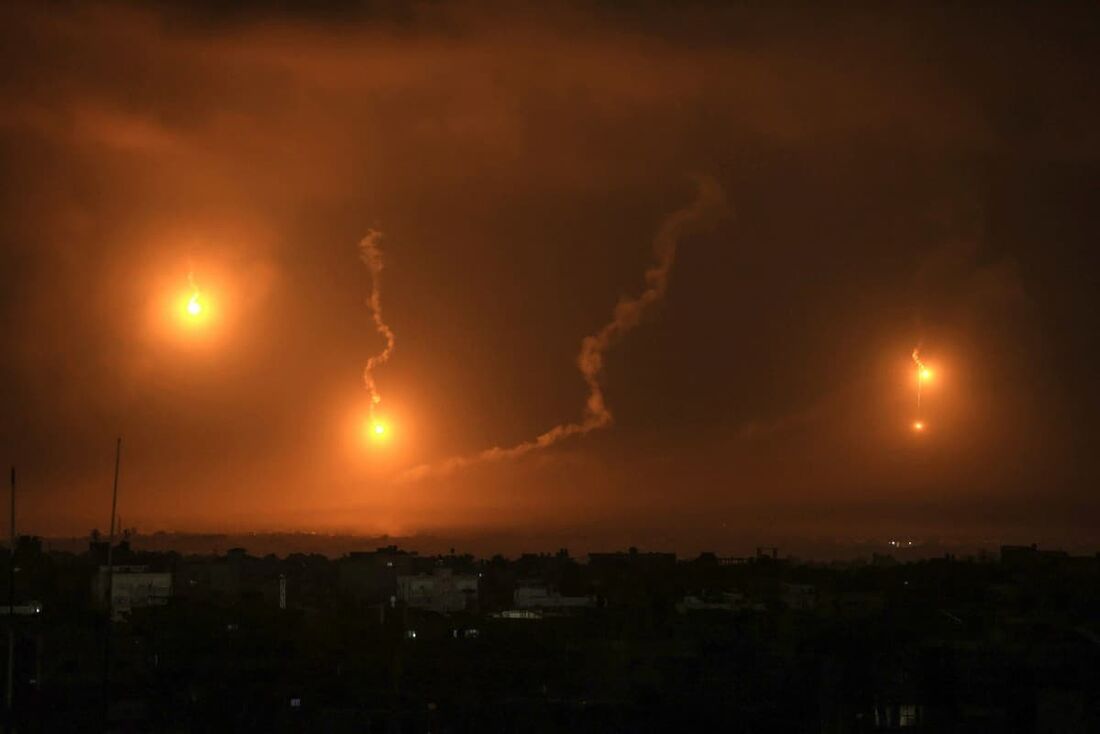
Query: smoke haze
(519, 157)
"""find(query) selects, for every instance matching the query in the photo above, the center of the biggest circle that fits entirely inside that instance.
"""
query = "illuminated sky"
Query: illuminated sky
(921, 177)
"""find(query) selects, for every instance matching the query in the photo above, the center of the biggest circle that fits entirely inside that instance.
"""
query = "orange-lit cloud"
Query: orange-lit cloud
(519, 153)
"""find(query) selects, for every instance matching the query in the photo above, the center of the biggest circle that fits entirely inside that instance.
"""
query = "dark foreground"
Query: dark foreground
(388, 641)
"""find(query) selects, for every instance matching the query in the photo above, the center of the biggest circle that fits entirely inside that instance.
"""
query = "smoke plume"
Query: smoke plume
(709, 203)
(371, 255)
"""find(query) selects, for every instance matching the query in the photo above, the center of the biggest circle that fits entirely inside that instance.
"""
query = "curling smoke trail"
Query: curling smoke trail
(709, 203)
(371, 255)
(921, 370)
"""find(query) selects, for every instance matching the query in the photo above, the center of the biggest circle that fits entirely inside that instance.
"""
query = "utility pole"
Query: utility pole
(110, 595)
(10, 697)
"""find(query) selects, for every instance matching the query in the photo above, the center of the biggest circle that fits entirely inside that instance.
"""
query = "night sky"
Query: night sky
(894, 177)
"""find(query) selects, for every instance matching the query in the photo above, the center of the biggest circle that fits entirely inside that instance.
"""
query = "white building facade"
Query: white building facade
(440, 591)
(132, 587)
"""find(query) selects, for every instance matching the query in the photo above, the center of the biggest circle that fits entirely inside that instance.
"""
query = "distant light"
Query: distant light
(918, 425)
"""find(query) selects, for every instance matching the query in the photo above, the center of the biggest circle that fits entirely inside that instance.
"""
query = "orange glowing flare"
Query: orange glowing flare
(194, 305)
(924, 374)
(194, 308)
(376, 431)
(918, 426)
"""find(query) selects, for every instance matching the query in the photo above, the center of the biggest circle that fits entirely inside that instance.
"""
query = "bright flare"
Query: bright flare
(925, 374)
(194, 305)
(375, 431)
(918, 425)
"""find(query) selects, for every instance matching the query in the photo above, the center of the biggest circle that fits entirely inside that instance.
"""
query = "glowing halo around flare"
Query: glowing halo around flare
(918, 426)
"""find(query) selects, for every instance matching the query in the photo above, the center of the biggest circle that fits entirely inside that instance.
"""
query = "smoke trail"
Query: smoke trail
(921, 369)
(371, 255)
(709, 203)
